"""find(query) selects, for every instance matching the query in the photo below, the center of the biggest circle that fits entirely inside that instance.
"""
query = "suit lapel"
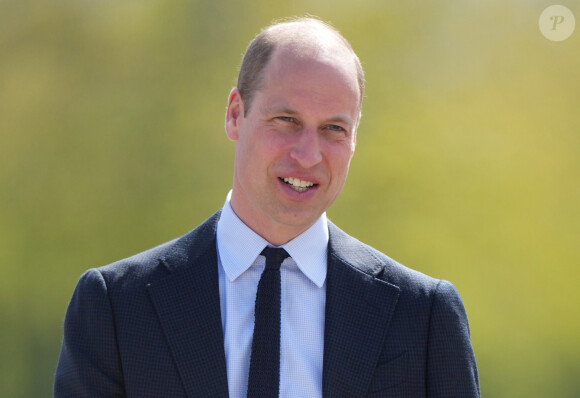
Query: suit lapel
(358, 310)
(187, 304)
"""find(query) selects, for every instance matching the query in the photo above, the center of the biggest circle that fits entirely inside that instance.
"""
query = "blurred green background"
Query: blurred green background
(467, 161)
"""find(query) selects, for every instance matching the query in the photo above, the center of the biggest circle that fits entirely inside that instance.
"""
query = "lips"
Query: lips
(297, 184)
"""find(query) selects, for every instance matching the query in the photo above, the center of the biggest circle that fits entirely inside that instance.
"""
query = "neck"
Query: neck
(275, 233)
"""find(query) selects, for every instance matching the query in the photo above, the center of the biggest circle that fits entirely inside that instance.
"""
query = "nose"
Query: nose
(306, 150)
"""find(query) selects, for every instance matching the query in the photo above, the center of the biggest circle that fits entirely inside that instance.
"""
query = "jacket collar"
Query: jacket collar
(187, 304)
(359, 307)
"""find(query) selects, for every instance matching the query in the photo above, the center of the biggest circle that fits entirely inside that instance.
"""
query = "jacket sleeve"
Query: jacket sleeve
(89, 363)
(451, 367)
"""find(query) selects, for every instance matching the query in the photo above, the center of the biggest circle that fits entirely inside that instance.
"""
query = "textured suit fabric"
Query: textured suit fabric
(150, 326)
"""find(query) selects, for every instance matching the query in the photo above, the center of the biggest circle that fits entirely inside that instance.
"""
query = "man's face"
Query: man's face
(294, 145)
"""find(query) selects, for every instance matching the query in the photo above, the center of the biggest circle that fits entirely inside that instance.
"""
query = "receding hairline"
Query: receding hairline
(305, 32)
(304, 36)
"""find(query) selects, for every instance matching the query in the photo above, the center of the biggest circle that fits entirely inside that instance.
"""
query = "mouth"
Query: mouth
(297, 184)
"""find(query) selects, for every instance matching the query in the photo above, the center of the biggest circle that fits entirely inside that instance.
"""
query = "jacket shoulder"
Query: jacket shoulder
(371, 261)
(165, 258)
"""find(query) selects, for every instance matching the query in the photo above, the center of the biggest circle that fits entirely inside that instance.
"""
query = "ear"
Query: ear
(234, 114)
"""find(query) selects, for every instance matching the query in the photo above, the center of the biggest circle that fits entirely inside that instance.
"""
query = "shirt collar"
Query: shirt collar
(238, 246)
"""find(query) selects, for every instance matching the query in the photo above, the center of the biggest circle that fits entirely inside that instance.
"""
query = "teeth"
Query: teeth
(298, 184)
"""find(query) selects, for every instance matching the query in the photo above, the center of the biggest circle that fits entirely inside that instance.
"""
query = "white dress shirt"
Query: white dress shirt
(303, 299)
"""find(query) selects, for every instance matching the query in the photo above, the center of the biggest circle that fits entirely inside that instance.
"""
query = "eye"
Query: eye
(336, 128)
(288, 119)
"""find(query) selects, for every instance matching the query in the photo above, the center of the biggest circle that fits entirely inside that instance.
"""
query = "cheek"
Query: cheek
(339, 159)
(255, 159)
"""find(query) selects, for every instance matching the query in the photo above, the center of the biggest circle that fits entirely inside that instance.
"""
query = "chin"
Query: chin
(298, 221)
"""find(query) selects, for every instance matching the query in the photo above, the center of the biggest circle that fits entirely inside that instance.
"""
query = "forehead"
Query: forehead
(314, 73)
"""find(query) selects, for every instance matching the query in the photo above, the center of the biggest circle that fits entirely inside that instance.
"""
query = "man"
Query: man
(180, 320)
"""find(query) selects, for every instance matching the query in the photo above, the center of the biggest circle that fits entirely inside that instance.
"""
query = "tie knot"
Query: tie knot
(274, 257)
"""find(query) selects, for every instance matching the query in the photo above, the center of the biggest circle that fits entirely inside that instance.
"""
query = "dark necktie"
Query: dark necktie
(264, 379)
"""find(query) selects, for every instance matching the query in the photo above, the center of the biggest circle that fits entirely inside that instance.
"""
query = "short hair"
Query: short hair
(259, 52)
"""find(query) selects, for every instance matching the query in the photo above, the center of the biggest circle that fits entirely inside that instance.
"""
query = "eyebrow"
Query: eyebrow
(343, 120)
(289, 111)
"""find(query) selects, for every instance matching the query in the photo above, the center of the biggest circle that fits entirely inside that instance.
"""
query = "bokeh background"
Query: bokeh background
(467, 161)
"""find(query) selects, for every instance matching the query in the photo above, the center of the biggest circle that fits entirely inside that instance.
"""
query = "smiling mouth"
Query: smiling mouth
(297, 184)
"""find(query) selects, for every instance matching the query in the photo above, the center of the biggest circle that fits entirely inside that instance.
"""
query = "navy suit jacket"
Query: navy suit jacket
(150, 326)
